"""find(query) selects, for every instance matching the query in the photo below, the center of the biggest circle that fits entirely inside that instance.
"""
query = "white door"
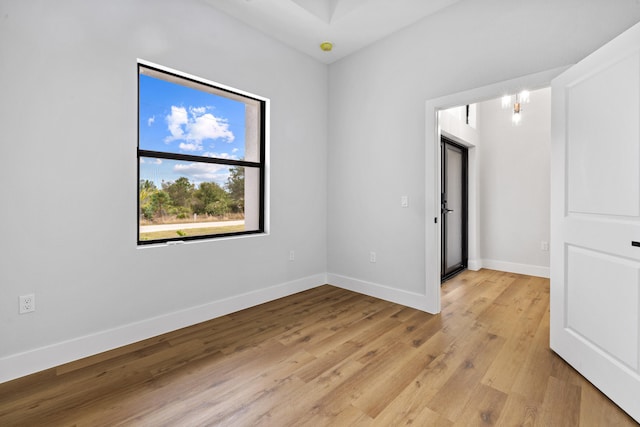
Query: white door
(595, 219)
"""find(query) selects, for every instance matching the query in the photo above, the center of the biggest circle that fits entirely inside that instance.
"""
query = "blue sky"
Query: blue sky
(180, 119)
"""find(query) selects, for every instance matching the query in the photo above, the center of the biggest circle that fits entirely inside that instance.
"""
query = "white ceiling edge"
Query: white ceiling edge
(349, 24)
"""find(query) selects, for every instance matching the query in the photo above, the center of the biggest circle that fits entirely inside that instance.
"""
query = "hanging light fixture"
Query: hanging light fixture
(517, 107)
(515, 102)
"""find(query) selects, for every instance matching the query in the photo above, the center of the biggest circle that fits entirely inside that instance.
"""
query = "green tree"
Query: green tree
(145, 189)
(180, 191)
(235, 187)
(160, 201)
(218, 208)
(206, 196)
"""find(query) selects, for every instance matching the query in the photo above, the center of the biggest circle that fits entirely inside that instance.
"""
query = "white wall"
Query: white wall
(514, 186)
(68, 83)
(453, 122)
(377, 122)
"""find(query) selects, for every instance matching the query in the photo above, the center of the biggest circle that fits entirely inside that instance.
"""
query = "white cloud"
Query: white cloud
(235, 150)
(201, 172)
(153, 162)
(175, 121)
(208, 126)
(196, 126)
(196, 111)
(188, 146)
(151, 120)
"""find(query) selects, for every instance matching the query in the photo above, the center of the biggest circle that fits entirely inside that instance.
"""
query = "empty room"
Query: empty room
(232, 212)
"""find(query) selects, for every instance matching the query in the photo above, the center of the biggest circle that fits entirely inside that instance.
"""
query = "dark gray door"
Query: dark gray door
(454, 208)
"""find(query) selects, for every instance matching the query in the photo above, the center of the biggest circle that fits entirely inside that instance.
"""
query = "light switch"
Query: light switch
(404, 201)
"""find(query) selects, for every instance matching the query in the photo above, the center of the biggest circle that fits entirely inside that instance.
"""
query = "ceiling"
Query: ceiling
(349, 24)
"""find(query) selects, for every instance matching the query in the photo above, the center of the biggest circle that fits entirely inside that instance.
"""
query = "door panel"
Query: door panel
(454, 208)
(594, 310)
(608, 97)
(454, 204)
(595, 216)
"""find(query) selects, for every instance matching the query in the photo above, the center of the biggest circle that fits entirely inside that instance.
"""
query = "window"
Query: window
(201, 158)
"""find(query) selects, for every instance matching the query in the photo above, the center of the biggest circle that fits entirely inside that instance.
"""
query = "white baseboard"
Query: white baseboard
(410, 299)
(512, 267)
(29, 362)
(474, 264)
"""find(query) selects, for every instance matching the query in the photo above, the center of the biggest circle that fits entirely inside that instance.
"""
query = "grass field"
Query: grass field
(190, 232)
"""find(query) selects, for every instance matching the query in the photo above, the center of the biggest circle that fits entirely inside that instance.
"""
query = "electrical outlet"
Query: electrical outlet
(404, 201)
(372, 256)
(292, 255)
(544, 246)
(27, 303)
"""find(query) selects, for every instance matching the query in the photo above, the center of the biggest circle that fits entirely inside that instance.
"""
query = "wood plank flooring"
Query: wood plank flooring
(333, 357)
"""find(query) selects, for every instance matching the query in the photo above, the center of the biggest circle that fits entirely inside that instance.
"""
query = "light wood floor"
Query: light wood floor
(332, 357)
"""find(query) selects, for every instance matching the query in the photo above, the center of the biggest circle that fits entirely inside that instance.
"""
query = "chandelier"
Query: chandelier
(515, 102)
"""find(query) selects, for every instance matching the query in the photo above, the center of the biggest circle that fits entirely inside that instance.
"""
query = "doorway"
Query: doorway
(432, 289)
(454, 208)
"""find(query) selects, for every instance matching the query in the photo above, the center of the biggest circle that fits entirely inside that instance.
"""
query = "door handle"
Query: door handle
(634, 243)
(446, 211)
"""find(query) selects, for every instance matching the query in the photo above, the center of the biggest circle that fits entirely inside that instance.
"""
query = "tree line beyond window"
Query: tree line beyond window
(200, 159)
